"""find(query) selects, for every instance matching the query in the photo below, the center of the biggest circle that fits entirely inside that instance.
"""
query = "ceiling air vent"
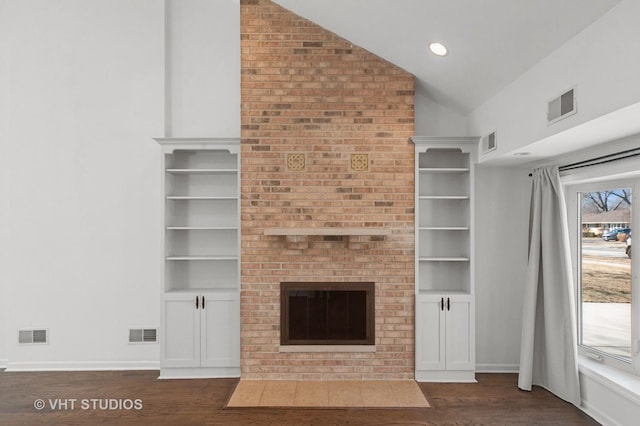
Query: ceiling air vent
(489, 142)
(30, 337)
(143, 335)
(562, 106)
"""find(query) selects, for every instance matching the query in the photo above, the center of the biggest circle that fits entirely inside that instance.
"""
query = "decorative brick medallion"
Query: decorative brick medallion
(296, 162)
(360, 162)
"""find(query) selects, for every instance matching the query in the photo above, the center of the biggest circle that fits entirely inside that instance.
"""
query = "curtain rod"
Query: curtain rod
(600, 160)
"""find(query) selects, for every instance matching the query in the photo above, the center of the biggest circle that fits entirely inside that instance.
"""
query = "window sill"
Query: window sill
(616, 380)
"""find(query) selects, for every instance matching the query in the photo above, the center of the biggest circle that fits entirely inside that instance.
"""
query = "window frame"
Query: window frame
(590, 182)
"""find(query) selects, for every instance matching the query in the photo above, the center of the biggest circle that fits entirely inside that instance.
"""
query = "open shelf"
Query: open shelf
(443, 212)
(214, 159)
(201, 272)
(440, 292)
(444, 197)
(443, 246)
(444, 170)
(197, 290)
(199, 197)
(203, 212)
(202, 228)
(184, 243)
(443, 259)
(443, 228)
(202, 185)
(210, 257)
(200, 171)
(443, 275)
(443, 184)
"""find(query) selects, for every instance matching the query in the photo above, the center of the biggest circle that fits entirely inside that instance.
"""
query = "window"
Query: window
(601, 218)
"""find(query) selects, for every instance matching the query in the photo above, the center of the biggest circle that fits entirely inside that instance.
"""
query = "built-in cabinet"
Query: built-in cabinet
(200, 332)
(444, 334)
(445, 304)
(201, 329)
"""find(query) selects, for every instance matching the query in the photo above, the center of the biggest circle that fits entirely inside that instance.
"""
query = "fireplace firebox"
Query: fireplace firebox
(320, 313)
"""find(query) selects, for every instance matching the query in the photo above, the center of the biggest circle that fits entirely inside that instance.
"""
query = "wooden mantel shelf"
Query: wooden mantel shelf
(297, 238)
(327, 231)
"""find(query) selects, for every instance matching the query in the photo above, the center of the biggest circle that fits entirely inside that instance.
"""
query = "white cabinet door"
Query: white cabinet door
(443, 331)
(460, 354)
(181, 331)
(220, 330)
(430, 333)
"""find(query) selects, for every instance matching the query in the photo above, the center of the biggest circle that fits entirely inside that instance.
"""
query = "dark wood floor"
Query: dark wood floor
(494, 400)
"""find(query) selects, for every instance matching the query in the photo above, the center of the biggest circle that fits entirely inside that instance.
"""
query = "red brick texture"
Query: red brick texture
(307, 91)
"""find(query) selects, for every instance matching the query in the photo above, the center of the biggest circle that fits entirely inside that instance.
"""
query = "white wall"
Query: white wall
(598, 61)
(502, 224)
(204, 68)
(433, 119)
(82, 96)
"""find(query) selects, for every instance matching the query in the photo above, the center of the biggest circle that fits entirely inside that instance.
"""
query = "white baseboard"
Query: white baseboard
(450, 376)
(82, 366)
(199, 372)
(597, 414)
(3, 363)
(497, 368)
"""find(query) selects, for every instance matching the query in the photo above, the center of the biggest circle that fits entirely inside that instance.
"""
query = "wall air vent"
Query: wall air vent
(489, 143)
(562, 106)
(143, 335)
(33, 337)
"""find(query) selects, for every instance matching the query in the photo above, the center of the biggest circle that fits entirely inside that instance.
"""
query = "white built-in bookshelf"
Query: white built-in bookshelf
(201, 257)
(445, 323)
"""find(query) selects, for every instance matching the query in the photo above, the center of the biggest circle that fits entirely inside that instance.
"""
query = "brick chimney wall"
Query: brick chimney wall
(314, 106)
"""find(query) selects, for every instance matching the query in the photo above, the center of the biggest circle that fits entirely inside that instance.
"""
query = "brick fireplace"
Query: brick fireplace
(327, 187)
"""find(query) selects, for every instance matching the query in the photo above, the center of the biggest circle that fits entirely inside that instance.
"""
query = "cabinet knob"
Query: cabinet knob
(442, 303)
(197, 302)
(202, 302)
(448, 304)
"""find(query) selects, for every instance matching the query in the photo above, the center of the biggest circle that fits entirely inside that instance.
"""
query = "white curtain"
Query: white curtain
(548, 351)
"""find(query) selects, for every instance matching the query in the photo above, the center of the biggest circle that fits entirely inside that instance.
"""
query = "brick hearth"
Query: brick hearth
(325, 144)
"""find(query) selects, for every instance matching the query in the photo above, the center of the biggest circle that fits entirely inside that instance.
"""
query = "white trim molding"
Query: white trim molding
(82, 366)
(609, 395)
(497, 368)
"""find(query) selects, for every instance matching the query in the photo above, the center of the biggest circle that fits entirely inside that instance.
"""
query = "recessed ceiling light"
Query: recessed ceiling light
(522, 154)
(438, 49)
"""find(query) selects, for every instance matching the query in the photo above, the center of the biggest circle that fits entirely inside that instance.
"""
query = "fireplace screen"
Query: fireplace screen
(327, 313)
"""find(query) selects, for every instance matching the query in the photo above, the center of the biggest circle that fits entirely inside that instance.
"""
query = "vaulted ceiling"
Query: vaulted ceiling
(491, 42)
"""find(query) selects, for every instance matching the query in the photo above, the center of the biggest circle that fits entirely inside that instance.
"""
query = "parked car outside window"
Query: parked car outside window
(612, 235)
